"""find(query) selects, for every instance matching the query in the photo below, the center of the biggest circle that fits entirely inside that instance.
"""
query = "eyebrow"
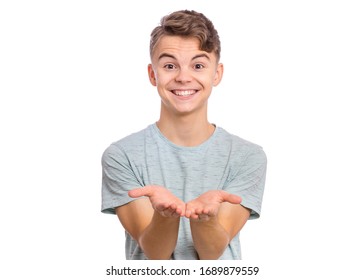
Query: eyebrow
(166, 55)
(173, 57)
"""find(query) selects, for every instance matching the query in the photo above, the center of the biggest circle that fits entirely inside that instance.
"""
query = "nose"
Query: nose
(183, 75)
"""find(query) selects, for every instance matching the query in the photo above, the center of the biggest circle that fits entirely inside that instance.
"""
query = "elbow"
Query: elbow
(152, 252)
(215, 251)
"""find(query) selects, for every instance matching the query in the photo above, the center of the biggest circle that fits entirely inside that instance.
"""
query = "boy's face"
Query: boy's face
(183, 74)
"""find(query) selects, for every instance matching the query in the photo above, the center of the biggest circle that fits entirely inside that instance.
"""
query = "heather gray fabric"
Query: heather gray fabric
(224, 162)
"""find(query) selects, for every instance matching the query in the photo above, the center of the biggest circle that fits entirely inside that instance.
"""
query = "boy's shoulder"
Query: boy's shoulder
(134, 139)
(133, 142)
(235, 140)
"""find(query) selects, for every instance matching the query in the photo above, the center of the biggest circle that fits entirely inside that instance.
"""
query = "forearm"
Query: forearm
(210, 238)
(159, 238)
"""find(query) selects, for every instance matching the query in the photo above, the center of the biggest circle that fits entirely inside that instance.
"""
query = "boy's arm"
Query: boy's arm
(153, 221)
(215, 218)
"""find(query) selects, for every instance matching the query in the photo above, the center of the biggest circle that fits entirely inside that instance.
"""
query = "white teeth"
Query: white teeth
(184, 92)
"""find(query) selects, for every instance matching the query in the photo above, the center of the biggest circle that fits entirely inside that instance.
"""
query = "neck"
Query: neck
(188, 131)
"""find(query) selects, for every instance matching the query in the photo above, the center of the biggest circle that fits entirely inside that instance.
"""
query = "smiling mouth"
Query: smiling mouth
(184, 92)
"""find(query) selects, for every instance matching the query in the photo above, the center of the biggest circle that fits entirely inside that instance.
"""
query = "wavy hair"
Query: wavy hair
(188, 23)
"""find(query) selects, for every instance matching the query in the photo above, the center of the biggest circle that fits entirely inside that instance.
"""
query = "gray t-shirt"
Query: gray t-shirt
(223, 162)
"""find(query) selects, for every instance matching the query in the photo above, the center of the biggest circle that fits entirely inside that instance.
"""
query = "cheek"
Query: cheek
(163, 79)
(208, 82)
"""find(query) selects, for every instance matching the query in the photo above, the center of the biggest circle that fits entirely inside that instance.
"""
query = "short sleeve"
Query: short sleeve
(118, 177)
(249, 181)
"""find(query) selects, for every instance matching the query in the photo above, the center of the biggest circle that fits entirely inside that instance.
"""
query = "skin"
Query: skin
(184, 77)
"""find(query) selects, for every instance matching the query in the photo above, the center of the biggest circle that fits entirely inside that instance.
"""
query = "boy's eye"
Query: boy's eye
(169, 66)
(199, 66)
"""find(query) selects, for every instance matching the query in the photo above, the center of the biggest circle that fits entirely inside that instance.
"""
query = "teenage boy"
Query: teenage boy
(183, 188)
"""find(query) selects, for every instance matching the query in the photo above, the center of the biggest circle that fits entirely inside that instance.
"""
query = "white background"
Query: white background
(73, 79)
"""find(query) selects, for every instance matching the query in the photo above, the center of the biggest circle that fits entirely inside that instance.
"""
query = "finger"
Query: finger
(203, 217)
(170, 212)
(193, 216)
(188, 213)
(198, 211)
(195, 213)
(180, 211)
(188, 210)
(143, 191)
(206, 211)
(162, 207)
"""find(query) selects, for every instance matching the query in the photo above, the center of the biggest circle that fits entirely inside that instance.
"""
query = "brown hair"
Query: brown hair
(188, 24)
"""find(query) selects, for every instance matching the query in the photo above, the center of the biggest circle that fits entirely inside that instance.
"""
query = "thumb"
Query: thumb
(143, 191)
(231, 198)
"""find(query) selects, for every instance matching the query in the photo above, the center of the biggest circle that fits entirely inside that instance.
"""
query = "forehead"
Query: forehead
(178, 46)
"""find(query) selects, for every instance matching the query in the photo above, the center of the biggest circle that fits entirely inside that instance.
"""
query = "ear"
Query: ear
(219, 73)
(152, 76)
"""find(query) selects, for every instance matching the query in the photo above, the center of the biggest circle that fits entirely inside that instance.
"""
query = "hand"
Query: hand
(207, 205)
(162, 200)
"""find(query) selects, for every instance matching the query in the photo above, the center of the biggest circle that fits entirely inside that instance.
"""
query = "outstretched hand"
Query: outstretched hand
(204, 207)
(162, 200)
(207, 205)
